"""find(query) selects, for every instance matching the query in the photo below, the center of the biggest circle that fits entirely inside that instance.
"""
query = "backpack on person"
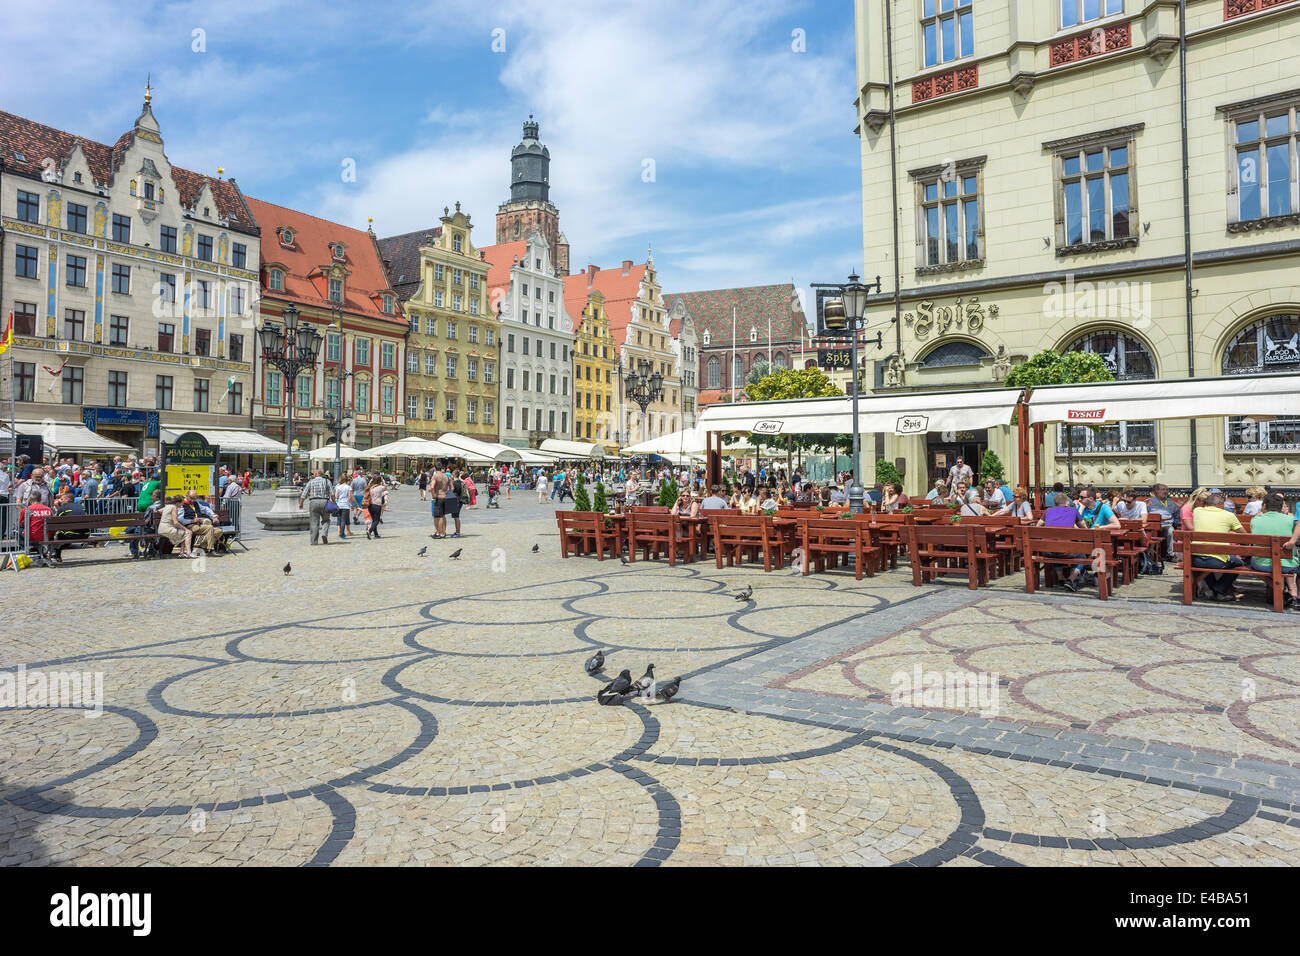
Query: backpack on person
(461, 491)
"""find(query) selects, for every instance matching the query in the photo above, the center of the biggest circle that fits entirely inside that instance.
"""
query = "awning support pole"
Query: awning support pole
(1022, 429)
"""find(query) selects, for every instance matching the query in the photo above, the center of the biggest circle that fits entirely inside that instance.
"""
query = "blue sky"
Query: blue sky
(756, 168)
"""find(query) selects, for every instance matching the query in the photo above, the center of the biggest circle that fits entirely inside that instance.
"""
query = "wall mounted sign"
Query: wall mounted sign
(967, 315)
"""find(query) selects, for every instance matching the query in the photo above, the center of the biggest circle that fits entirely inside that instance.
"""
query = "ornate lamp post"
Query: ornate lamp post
(335, 417)
(289, 350)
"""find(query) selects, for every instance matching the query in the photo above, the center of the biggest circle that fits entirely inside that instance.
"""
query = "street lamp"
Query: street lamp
(290, 350)
(846, 315)
(334, 417)
(644, 387)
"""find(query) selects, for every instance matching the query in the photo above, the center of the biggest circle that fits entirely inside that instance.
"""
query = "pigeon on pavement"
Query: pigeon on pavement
(421, 553)
(535, 549)
(287, 568)
(456, 553)
(746, 594)
(612, 693)
(668, 691)
(596, 663)
(623, 559)
(643, 682)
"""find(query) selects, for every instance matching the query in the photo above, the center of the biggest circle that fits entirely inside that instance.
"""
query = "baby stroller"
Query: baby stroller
(494, 492)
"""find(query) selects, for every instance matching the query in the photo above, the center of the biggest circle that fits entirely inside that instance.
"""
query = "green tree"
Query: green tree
(785, 384)
(1049, 367)
(581, 500)
(887, 472)
(668, 493)
(601, 504)
(991, 467)
(761, 370)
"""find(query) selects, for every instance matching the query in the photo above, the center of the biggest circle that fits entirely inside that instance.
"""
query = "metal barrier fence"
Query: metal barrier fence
(109, 506)
(14, 531)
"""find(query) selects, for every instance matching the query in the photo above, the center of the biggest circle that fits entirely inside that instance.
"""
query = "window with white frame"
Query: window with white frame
(430, 407)
(431, 363)
(1128, 359)
(1096, 199)
(430, 326)
(1075, 12)
(412, 406)
(948, 27)
(387, 393)
(412, 361)
(1265, 162)
(333, 347)
(451, 409)
(949, 227)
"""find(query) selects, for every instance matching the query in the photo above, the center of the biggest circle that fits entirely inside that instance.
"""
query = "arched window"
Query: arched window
(954, 353)
(1270, 344)
(1128, 360)
(738, 373)
(715, 371)
(778, 360)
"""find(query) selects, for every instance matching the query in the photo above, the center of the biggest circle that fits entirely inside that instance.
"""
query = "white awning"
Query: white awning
(477, 452)
(535, 456)
(903, 413)
(412, 447)
(326, 453)
(1260, 395)
(66, 437)
(689, 441)
(230, 441)
(573, 449)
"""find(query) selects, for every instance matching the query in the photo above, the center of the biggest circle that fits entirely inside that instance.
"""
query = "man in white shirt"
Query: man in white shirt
(960, 471)
(1129, 507)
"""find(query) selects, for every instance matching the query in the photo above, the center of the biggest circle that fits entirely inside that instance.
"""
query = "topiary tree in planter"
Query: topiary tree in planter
(886, 472)
(991, 467)
(581, 500)
(600, 504)
(668, 493)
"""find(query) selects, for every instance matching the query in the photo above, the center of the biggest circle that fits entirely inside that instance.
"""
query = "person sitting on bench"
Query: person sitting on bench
(155, 507)
(66, 507)
(1274, 521)
(1211, 517)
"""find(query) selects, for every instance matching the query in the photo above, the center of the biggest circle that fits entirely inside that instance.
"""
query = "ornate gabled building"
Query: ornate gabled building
(452, 362)
(132, 283)
(333, 274)
(595, 359)
(536, 342)
(529, 208)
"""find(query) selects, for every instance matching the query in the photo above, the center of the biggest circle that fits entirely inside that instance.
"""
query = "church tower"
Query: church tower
(529, 207)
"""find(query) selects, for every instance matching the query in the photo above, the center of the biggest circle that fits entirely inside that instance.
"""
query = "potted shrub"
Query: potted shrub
(581, 500)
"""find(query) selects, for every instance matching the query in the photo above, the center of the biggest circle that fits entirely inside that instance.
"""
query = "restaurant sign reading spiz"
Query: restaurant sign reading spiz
(767, 427)
(912, 425)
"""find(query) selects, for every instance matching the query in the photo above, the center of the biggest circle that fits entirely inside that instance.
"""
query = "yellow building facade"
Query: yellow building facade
(452, 357)
(1036, 160)
(593, 366)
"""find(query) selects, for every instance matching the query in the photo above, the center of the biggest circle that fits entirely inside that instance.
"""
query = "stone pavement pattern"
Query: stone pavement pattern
(377, 707)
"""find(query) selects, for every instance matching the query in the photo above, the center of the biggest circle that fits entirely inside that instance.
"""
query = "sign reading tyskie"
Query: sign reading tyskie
(1085, 414)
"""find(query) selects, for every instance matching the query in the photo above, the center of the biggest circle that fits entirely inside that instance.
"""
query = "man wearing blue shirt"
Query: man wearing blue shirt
(1095, 513)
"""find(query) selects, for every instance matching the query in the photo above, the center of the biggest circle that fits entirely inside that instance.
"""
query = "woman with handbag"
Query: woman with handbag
(341, 506)
(373, 502)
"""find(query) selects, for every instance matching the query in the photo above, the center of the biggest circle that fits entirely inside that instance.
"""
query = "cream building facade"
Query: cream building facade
(1038, 170)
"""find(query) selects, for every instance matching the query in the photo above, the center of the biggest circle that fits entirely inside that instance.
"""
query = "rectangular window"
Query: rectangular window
(550, 421)
(167, 239)
(236, 348)
(510, 378)
(949, 216)
(121, 228)
(363, 397)
(412, 361)
(333, 391)
(949, 30)
(235, 399)
(202, 342)
(166, 336)
(76, 266)
(1093, 192)
(489, 371)
(117, 389)
(415, 324)
(527, 377)
(489, 410)
(333, 347)
(431, 363)
(201, 389)
(525, 345)
(166, 287)
(388, 355)
(412, 406)
(25, 262)
(387, 398)
(510, 418)
(437, 271)
(451, 331)
(510, 342)
(205, 248)
(302, 391)
(451, 409)
(74, 324)
(239, 255)
(473, 306)
(74, 381)
(1074, 12)
(24, 381)
(552, 384)
(455, 277)
(489, 338)
(471, 412)
(276, 280)
(471, 370)
(430, 326)
(456, 302)
(473, 334)
(76, 217)
(336, 290)
(430, 408)
(1265, 146)
(273, 388)
(119, 327)
(473, 280)
(451, 366)
(204, 295)
(362, 351)
(237, 300)
(162, 392)
(29, 206)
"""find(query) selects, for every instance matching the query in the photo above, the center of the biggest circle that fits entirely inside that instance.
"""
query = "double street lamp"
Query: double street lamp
(846, 316)
(643, 387)
(289, 350)
(335, 419)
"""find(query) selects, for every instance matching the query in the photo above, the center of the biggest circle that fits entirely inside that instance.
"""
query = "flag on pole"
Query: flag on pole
(7, 339)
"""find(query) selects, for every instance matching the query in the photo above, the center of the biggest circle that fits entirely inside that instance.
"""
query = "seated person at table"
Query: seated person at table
(685, 506)
(993, 496)
(876, 494)
(1186, 513)
(1161, 504)
(1059, 489)
(1274, 521)
(1095, 513)
(767, 504)
(1228, 504)
(1256, 503)
(1129, 508)
(746, 503)
(838, 497)
(1018, 506)
(1064, 515)
(962, 494)
(1213, 518)
(939, 492)
(892, 499)
(714, 501)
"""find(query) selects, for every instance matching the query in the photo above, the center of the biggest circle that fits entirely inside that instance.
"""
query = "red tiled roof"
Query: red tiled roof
(576, 293)
(620, 292)
(305, 283)
(502, 258)
(35, 142)
(711, 396)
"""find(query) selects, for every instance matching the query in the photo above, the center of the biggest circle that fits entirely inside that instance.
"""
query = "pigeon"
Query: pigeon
(421, 553)
(596, 663)
(535, 549)
(746, 594)
(612, 693)
(642, 683)
(623, 559)
(456, 553)
(667, 692)
(287, 568)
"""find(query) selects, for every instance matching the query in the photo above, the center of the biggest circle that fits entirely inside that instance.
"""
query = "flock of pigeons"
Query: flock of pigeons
(624, 687)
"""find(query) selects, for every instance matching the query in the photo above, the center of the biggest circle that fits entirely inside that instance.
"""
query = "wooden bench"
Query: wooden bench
(1051, 548)
(1007, 543)
(821, 538)
(951, 549)
(582, 532)
(891, 532)
(1244, 546)
(92, 523)
(738, 535)
(657, 533)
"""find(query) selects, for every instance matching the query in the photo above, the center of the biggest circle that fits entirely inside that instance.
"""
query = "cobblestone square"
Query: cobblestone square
(376, 707)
